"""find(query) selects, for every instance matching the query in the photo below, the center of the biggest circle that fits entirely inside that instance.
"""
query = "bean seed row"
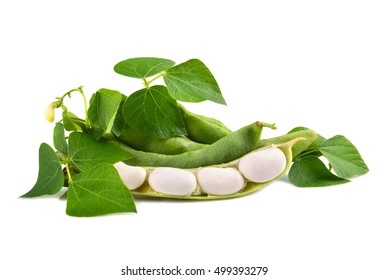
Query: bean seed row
(258, 167)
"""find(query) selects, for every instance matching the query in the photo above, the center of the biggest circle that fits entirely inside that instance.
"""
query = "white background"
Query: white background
(321, 64)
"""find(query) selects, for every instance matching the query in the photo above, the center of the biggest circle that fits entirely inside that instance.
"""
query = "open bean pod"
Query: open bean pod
(237, 178)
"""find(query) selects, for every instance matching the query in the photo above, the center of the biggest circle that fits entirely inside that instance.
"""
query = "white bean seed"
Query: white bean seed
(220, 181)
(132, 176)
(174, 181)
(264, 165)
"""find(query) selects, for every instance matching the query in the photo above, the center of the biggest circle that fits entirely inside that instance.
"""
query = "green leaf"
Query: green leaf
(50, 177)
(192, 81)
(69, 123)
(142, 67)
(59, 139)
(310, 171)
(96, 132)
(153, 112)
(87, 152)
(119, 122)
(103, 108)
(98, 191)
(343, 157)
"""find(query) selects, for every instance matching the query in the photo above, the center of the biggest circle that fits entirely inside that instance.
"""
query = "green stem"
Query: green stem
(68, 172)
(79, 89)
(69, 93)
(147, 83)
(87, 124)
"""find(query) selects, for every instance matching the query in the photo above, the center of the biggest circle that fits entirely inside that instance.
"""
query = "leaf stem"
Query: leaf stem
(85, 107)
(79, 89)
(68, 172)
(147, 83)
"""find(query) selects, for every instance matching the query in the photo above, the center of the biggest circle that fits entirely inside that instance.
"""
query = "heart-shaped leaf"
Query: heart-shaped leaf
(103, 108)
(69, 123)
(87, 152)
(153, 112)
(310, 171)
(142, 67)
(344, 157)
(98, 191)
(59, 139)
(50, 177)
(192, 81)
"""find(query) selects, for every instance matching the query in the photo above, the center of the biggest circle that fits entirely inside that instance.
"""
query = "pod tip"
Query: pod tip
(269, 125)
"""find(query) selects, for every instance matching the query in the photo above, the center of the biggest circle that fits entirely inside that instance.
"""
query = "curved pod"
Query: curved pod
(147, 143)
(203, 129)
(229, 148)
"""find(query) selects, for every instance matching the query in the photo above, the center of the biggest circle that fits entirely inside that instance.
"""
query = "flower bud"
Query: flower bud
(49, 112)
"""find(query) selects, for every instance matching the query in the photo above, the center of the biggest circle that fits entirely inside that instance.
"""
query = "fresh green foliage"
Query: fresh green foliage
(119, 122)
(344, 157)
(87, 152)
(69, 121)
(103, 108)
(98, 191)
(150, 128)
(310, 171)
(191, 81)
(59, 139)
(142, 67)
(50, 178)
(341, 154)
(153, 112)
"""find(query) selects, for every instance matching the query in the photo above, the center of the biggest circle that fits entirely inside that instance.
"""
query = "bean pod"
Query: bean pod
(239, 177)
(231, 147)
(201, 131)
(171, 146)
